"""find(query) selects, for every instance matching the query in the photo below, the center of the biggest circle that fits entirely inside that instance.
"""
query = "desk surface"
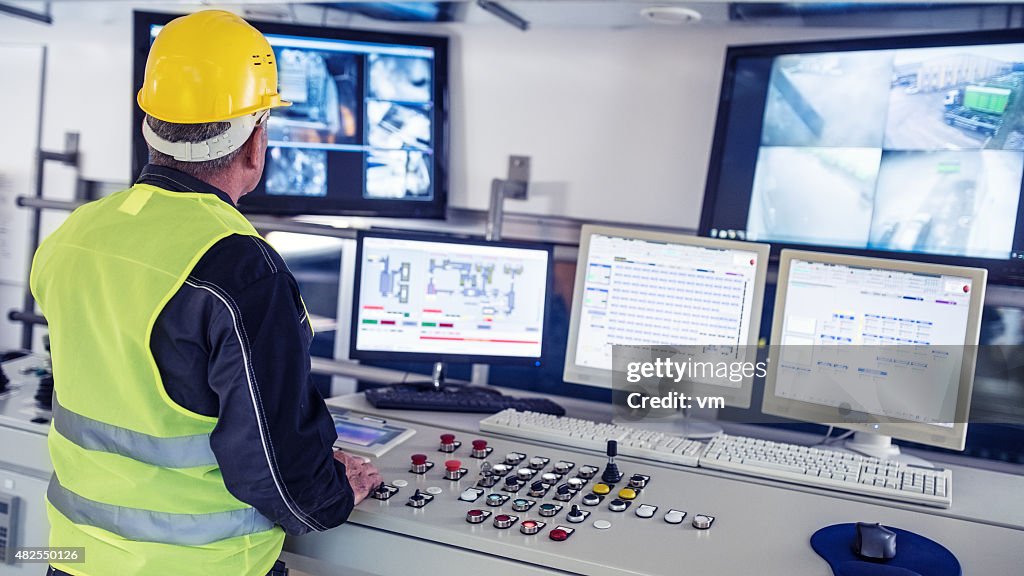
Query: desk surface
(762, 525)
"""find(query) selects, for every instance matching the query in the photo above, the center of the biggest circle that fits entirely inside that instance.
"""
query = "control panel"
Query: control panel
(552, 506)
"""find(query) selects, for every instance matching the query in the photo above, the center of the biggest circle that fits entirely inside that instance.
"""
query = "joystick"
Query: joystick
(3, 380)
(575, 515)
(611, 473)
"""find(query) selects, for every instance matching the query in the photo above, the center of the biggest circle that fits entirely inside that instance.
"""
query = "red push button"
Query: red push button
(478, 444)
(452, 465)
(447, 438)
(558, 535)
(419, 459)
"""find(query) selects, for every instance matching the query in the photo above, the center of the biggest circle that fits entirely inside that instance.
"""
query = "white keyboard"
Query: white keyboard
(829, 469)
(820, 468)
(590, 435)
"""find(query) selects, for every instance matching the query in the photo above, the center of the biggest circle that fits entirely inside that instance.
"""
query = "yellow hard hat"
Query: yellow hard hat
(209, 66)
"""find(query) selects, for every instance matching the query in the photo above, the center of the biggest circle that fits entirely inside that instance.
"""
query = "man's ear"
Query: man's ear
(254, 149)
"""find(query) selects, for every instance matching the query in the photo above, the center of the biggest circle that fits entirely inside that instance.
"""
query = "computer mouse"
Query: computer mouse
(875, 542)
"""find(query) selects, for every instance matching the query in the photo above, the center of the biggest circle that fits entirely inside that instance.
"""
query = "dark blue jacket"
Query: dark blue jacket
(274, 443)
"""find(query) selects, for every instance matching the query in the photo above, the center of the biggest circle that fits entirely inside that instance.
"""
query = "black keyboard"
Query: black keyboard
(462, 400)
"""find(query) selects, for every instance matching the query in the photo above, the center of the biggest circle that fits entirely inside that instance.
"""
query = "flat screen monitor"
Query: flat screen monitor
(637, 287)
(910, 145)
(367, 131)
(875, 345)
(442, 299)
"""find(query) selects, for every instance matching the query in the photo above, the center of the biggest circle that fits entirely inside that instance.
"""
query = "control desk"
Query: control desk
(658, 519)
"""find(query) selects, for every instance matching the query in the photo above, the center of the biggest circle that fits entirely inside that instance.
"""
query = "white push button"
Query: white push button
(602, 524)
(434, 490)
(646, 511)
(401, 483)
(674, 516)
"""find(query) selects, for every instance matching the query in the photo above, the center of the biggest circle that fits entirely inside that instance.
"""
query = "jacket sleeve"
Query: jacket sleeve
(274, 436)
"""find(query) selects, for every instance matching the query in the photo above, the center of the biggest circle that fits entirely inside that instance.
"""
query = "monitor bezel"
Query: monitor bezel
(378, 355)
(436, 208)
(953, 438)
(598, 378)
(1009, 271)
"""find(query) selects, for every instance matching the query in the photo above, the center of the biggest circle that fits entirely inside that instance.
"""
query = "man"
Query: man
(186, 438)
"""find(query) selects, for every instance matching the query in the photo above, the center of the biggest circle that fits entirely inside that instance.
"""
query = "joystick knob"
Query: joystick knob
(512, 483)
(611, 473)
(563, 492)
(475, 516)
(479, 449)
(575, 515)
(419, 463)
(453, 469)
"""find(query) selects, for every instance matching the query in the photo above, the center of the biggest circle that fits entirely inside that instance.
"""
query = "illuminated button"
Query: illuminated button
(537, 463)
(470, 495)
(587, 472)
(503, 521)
(562, 467)
(495, 500)
(475, 516)
(521, 504)
(602, 524)
(525, 473)
(548, 510)
(513, 458)
(549, 478)
(529, 527)
(638, 481)
(702, 521)
(627, 494)
(575, 483)
(602, 489)
(558, 535)
(500, 469)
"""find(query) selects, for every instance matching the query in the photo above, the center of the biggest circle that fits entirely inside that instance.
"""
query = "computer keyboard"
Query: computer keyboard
(591, 435)
(829, 469)
(816, 467)
(461, 400)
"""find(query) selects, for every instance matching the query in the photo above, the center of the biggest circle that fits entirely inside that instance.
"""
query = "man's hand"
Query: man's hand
(362, 476)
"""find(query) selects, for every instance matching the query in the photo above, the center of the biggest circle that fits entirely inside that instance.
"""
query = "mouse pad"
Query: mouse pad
(915, 554)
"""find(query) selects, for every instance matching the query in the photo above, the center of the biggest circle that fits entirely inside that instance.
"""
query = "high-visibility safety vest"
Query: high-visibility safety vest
(135, 481)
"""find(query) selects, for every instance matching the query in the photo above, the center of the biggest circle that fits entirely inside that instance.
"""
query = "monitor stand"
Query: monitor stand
(881, 447)
(437, 383)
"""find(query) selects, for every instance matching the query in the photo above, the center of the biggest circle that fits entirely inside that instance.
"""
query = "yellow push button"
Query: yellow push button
(602, 489)
(627, 494)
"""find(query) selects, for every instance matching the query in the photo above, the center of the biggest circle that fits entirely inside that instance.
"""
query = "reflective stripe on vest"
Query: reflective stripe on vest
(148, 526)
(177, 452)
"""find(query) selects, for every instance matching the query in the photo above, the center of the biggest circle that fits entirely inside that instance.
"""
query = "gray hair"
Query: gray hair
(190, 133)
